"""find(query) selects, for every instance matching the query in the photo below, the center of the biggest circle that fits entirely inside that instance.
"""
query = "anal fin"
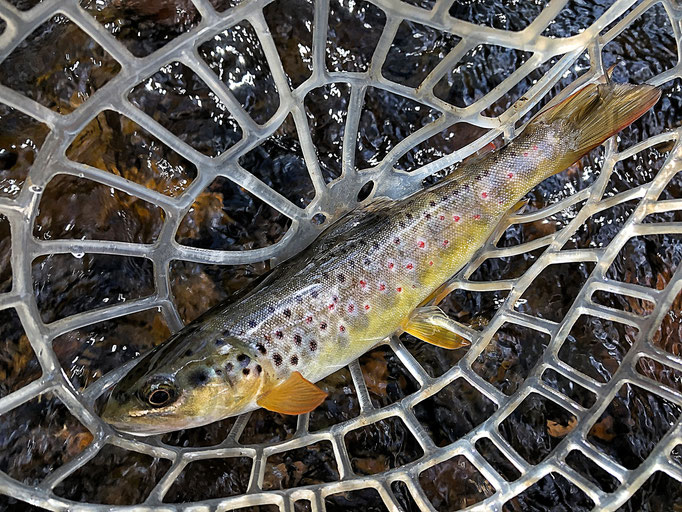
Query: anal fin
(296, 395)
(431, 325)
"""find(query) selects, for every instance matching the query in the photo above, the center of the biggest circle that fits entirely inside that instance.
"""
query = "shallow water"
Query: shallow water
(42, 435)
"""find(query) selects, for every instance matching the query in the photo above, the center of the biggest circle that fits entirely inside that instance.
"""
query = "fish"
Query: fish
(376, 272)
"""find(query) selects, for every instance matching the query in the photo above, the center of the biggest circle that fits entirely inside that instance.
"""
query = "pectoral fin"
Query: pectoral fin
(295, 395)
(431, 325)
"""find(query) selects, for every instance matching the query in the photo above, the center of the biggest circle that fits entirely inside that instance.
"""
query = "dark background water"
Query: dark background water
(59, 66)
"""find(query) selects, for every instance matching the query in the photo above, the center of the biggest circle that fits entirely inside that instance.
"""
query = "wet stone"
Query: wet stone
(553, 492)
(266, 427)
(510, 356)
(279, 163)
(554, 290)
(353, 33)
(404, 497)
(197, 287)
(570, 389)
(599, 229)
(207, 435)
(113, 143)
(660, 373)
(5, 255)
(596, 346)
(87, 353)
(310, 465)
(497, 459)
(341, 403)
(435, 360)
(38, 437)
(386, 120)
(326, 108)
(415, 52)
(659, 492)
(667, 336)
(144, 27)
(209, 479)
(647, 260)
(18, 363)
(181, 102)
(454, 484)
(114, 477)
(592, 471)
(236, 57)
(303, 506)
(444, 425)
(538, 419)
(367, 500)
(383, 445)
(66, 211)
(509, 267)
(223, 5)
(24, 5)
(21, 139)
(226, 217)
(291, 25)
(62, 79)
(623, 302)
(576, 16)
(66, 284)
(385, 376)
(632, 424)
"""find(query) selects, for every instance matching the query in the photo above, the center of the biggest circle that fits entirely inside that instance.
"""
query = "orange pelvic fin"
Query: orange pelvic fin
(431, 325)
(296, 395)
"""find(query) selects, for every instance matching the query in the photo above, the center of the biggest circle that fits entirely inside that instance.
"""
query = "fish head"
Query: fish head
(174, 387)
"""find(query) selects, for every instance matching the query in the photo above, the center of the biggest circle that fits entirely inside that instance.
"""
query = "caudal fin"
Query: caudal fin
(598, 111)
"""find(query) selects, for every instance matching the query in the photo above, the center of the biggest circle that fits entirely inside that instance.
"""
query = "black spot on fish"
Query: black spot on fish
(299, 298)
(246, 371)
(198, 378)
(367, 262)
(188, 352)
(220, 342)
(271, 309)
(401, 224)
(323, 325)
(313, 345)
(294, 360)
(279, 334)
(375, 245)
(226, 332)
(277, 359)
(314, 294)
(432, 203)
(252, 323)
(341, 278)
(218, 371)
(228, 367)
(287, 313)
(261, 348)
(297, 339)
(428, 216)
(259, 368)
(243, 359)
(408, 216)
(396, 241)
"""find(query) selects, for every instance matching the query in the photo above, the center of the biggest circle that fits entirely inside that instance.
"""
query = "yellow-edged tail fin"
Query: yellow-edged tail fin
(598, 111)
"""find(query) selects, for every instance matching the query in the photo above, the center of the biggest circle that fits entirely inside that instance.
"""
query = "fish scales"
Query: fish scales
(365, 278)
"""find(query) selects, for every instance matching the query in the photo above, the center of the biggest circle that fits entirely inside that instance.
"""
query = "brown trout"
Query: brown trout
(368, 276)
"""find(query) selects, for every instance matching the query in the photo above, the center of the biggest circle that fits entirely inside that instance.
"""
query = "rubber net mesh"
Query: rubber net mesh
(547, 403)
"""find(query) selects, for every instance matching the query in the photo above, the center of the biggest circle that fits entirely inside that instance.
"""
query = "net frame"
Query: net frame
(332, 201)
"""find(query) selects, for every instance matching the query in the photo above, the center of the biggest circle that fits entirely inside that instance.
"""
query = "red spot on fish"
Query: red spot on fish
(342, 328)
(477, 216)
(396, 241)
(409, 266)
(525, 153)
(399, 289)
(309, 319)
(501, 202)
(510, 175)
(391, 265)
(421, 244)
(442, 217)
(445, 243)
(456, 218)
(351, 308)
(484, 195)
(535, 147)
(363, 284)
(382, 287)
(366, 307)
(430, 262)
(331, 307)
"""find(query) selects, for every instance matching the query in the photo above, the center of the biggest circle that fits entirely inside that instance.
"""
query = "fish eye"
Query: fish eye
(158, 394)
